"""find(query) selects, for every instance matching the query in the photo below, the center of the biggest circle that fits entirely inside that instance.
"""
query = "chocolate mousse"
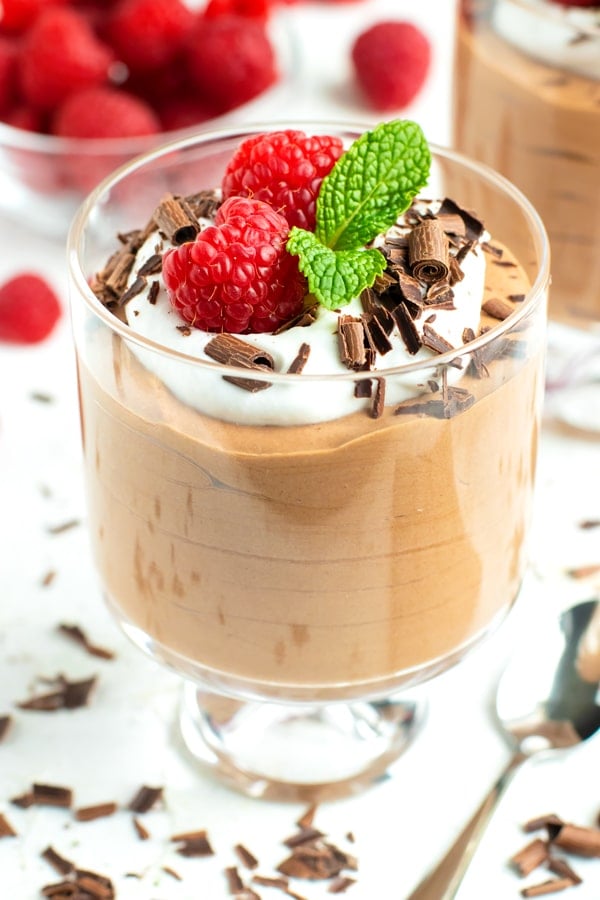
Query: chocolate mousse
(319, 532)
(527, 103)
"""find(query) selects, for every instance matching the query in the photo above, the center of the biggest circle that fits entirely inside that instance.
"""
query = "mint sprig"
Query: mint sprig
(371, 184)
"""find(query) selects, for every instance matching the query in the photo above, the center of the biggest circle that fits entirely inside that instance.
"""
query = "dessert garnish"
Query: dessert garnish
(66, 695)
(78, 635)
(369, 187)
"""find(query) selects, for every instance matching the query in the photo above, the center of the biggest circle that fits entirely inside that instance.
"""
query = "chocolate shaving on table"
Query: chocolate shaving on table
(59, 863)
(5, 723)
(363, 388)
(550, 820)
(351, 342)
(340, 884)
(153, 293)
(587, 524)
(552, 886)
(98, 811)
(530, 857)
(297, 364)
(48, 578)
(269, 881)
(41, 397)
(169, 871)
(23, 801)
(304, 836)
(63, 526)
(193, 843)
(245, 856)
(232, 351)
(308, 816)
(185, 330)
(407, 328)
(473, 226)
(497, 308)
(140, 829)
(559, 866)
(145, 799)
(428, 252)
(6, 829)
(234, 882)
(584, 571)
(176, 220)
(578, 840)
(78, 635)
(379, 399)
(315, 860)
(375, 334)
(68, 695)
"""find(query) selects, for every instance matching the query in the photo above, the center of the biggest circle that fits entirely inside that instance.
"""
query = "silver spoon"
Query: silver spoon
(542, 705)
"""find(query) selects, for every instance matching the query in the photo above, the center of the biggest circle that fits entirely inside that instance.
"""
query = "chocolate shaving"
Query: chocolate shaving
(59, 863)
(428, 252)
(379, 399)
(193, 843)
(6, 829)
(530, 857)
(410, 289)
(116, 275)
(48, 578)
(153, 293)
(455, 401)
(452, 223)
(234, 882)
(363, 388)
(135, 288)
(456, 272)
(437, 343)
(297, 364)
(375, 334)
(63, 526)
(176, 220)
(50, 795)
(203, 204)
(316, 860)
(248, 859)
(497, 308)
(68, 695)
(308, 816)
(551, 820)
(516, 298)
(232, 351)
(99, 811)
(578, 840)
(79, 637)
(97, 886)
(169, 871)
(145, 799)
(301, 320)
(140, 829)
(340, 884)
(407, 328)
(5, 723)
(152, 266)
(497, 252)
(303, 837)
(552, 886)
(559, 866)
(185, 330)
(267, 881)
(351, 342)
(473, 226)
(584, 571)
(440, 295)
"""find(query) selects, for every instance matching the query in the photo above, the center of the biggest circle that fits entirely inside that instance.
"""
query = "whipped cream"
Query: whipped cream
(564, 37)
(299, 400)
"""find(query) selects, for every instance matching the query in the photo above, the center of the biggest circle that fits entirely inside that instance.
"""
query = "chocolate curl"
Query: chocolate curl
(176, 220)
(232, 351)
(428, 252)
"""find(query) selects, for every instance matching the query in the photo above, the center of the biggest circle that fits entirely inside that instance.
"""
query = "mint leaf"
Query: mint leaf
(334, 277)
(372, 184)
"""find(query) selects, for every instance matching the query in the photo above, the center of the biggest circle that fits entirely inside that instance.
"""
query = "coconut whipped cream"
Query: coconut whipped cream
(561, 36)
(300, 400)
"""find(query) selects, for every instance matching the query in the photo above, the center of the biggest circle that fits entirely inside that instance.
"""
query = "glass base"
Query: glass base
(573, 377)
(297, 752)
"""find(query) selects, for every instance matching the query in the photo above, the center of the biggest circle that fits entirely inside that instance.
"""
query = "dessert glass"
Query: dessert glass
(297, 576)
(527, 103)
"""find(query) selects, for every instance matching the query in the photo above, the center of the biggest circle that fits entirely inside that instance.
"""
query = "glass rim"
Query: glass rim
(76, 234)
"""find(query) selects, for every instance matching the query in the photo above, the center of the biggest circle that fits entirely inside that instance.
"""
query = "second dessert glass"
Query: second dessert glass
(527, 103)
(298, 575)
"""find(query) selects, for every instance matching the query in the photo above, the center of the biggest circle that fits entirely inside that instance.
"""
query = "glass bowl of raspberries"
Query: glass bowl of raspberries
(87, 84)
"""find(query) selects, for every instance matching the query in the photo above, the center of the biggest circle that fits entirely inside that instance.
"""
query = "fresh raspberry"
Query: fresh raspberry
(183, 112)
(26, 118)
(61, 55)
(237, 275)
(258, 9)
(284, 169)
(104, 112)
(18, 15)
(8, 74)
(230, 60)
(391, 61)
(29, 309)
(149, 33)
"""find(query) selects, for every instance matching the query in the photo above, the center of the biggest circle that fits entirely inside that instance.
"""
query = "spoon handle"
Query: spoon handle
(445, 881)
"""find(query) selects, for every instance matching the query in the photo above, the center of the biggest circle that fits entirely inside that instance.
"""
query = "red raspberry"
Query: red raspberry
(61, 55)
(29, 309)
(230, 60)
(237, 275)
(8, 74)
(183, 112)
(149, 33)
(284, 169)
(253, 8)
(18, 15)
(391, 61)
(104, 112)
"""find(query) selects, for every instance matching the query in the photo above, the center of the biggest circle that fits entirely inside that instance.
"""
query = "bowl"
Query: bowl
(44, 178)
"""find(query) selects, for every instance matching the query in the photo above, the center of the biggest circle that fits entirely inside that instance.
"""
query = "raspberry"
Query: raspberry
(29, 309)
(576, 2)
(149, 33)
(183, 112)
(254, 8)
(8, 74)
(391, 61)
(284, 169)
(18, 15)
(230, 60)
(104, 112)
(61, 55)
(237, 275)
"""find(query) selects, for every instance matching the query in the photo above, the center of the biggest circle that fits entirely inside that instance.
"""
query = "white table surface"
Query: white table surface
(126, 735)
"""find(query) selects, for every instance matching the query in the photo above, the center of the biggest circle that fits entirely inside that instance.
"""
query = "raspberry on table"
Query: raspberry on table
(61, 54)
(149, 33)
(237, 276)
(284, 169)
(230, 60)
(29, 309)
(391, 61)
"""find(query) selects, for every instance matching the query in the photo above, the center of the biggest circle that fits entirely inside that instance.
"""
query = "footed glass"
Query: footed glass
(303, 552)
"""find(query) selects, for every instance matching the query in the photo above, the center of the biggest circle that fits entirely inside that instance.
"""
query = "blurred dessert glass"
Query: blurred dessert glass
(527, 103)
(301, 551)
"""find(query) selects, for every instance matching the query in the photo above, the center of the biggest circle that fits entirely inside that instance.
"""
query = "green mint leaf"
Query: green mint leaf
(371, 184)
(334, 277)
